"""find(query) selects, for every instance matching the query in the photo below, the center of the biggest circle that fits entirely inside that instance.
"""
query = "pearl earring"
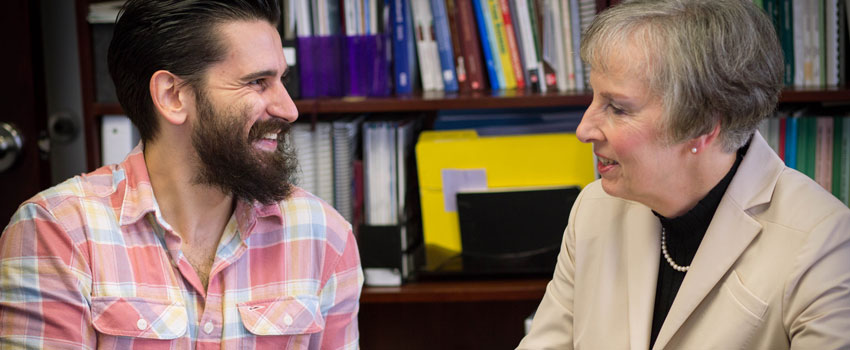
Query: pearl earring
(694, 150)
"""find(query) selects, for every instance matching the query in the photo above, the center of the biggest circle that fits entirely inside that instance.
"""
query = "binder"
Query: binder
(367, 65)
(320, 61)
(346, 133)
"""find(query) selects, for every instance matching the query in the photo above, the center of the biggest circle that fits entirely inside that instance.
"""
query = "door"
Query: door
(24, 169)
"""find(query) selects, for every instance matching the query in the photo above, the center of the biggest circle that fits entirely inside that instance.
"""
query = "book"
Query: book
(405, 70)
(782, 127)
(512, 7)
(823, 152)
(444, 45)
(837, 159)
(472, 56)
(537, 34)
(834, 43)
(426, 46)
(807, 43)
(528, 46)
(567, 29)
(491, 56)
(548, 50)
(457, 47)
(786, 37)
(553, 46)
(499, 41)
(791, 142)
(513, 47)
(845, 161)
(584, 16)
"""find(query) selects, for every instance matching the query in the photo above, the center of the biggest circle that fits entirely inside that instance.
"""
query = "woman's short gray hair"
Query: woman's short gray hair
(709, 60)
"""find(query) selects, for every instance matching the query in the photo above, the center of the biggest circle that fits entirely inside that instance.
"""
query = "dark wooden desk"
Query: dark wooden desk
(448, 314)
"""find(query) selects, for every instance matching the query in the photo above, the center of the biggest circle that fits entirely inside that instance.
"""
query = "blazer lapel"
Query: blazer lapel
(729, 234)
(643, 252)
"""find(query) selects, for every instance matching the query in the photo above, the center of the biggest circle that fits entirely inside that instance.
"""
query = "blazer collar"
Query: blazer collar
(729, 234)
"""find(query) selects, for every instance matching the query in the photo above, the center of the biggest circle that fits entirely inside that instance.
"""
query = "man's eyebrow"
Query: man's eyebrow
(259, 74)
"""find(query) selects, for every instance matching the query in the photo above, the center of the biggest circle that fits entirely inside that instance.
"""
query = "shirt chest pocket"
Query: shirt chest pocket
(287, 315)
(139, 317)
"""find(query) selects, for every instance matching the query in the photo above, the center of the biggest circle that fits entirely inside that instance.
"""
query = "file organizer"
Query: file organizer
(367, 62)
(390, 254)
(320, 58)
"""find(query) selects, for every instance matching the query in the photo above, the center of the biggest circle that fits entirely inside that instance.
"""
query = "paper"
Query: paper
(457, 180)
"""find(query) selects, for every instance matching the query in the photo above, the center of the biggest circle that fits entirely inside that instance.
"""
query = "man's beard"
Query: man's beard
(229, 161)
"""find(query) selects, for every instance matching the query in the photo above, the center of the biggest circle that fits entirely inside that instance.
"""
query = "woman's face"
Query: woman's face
(624, 124)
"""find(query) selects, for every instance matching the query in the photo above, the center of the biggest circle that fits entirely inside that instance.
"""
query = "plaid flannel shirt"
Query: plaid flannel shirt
(91, 263)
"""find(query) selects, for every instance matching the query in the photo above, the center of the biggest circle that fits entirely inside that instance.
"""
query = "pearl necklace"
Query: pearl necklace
(667, 255)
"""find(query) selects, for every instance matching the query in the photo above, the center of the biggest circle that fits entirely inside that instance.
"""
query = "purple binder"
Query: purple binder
(319, 61)
(367, 63)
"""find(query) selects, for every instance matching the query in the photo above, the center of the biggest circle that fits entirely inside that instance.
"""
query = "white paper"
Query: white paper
(457, 180)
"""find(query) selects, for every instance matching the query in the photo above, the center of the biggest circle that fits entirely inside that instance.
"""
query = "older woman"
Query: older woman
(697, 236)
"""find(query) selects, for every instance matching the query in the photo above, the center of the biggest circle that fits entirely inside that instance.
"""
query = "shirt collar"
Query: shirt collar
(138, 197)
(137, 192)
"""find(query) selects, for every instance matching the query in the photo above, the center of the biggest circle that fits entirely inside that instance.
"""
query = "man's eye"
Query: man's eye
(256, 82)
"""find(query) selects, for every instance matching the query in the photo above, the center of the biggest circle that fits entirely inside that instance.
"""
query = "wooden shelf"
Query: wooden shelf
(457, 291)
(819, 95)
(433, 101)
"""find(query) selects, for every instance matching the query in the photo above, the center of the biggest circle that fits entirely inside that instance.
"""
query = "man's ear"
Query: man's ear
(170, 96)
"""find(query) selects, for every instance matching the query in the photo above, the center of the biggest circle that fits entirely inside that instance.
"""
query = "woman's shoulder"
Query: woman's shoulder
(801, 203)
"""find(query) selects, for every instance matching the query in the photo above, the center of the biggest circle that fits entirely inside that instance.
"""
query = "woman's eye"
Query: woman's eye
(616, 110)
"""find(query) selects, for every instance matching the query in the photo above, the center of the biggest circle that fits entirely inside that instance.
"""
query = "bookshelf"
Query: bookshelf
(429, 101)
(440, 312)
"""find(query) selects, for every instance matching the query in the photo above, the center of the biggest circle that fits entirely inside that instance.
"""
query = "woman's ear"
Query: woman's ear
(169, 96)
(706, 140)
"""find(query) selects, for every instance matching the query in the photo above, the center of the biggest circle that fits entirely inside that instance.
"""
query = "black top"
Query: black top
(683, 236)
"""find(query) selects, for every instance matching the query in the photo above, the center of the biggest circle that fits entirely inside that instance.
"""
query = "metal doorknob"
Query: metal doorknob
(11, 145)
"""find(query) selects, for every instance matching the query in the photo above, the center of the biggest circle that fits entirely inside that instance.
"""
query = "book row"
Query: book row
(377, 47)
(816, 144)
(813, 36)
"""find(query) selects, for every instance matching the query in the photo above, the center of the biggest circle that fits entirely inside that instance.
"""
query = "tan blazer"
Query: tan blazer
(773, 271)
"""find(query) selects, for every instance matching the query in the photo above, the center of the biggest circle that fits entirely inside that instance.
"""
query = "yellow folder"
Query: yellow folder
(458, 159)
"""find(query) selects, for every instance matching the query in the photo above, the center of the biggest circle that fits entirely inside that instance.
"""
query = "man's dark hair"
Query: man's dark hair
(176, 36)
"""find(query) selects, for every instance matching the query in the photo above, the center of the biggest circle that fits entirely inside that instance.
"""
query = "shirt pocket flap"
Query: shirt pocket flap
(139, 317)
(288, 315)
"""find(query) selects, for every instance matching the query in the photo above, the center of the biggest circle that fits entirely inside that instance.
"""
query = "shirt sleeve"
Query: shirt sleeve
(342, 295)
(43, 283)
(552, 324)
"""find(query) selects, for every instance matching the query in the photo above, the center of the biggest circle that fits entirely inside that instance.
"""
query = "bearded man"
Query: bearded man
(198, 239)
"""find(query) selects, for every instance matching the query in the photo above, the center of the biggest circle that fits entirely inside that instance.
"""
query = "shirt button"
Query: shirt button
(287, 320)
(142, 324)
(208, 327)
